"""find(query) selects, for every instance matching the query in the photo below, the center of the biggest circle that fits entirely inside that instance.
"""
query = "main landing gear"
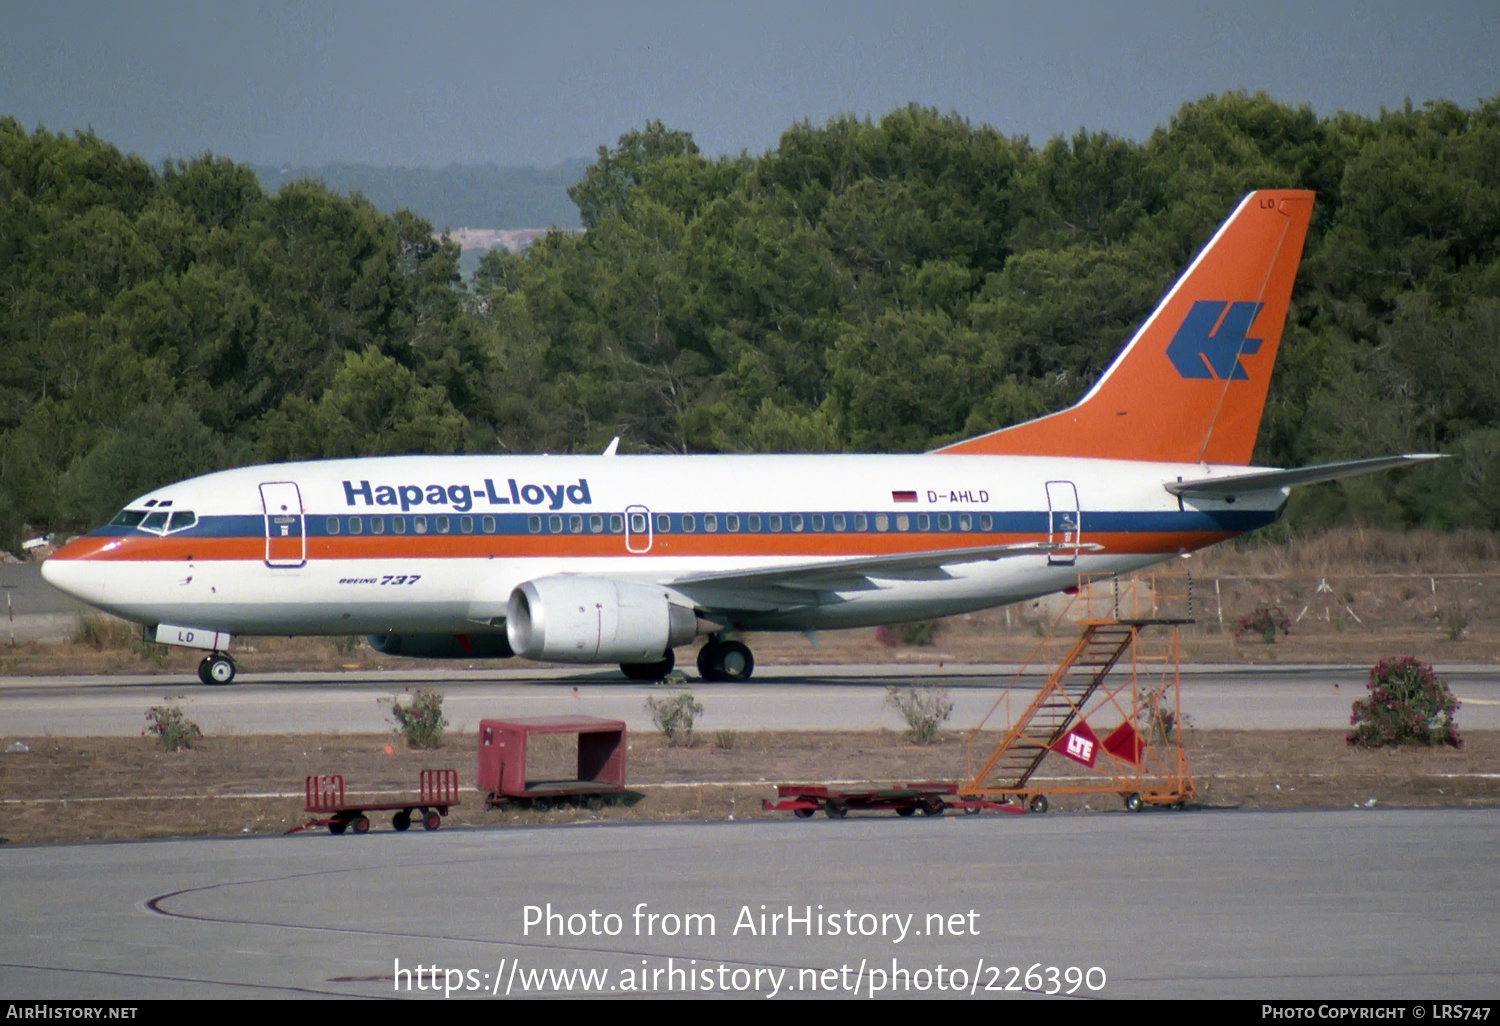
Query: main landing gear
(725, 661)
(216, 669)
(719, 660)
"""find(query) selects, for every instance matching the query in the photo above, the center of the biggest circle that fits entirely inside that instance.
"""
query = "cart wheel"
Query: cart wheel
(1133, 802)
(932, 806)
(836, 809)
(971, 810)
(401, 820)
(1038, 804)
(432, 820)
(337, 827)
(803, 813)
(905, 810)
(361, 824)
(595, 802)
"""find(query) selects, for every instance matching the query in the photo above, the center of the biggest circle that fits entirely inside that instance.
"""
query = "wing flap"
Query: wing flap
(803, 584)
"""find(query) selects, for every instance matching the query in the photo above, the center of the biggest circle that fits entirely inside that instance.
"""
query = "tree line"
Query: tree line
(867, 285)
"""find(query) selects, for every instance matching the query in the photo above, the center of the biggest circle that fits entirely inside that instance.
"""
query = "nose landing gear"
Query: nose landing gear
(216, 669)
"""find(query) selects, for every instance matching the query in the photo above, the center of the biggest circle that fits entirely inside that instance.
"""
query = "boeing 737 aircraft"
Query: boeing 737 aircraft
(622, 559)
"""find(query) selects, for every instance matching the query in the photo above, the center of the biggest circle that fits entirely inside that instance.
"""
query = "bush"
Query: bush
(171, 727)
(919, 632)
(1407, 704)
(421, 722)
(924, 708)
(674, 717)
(1264, 622)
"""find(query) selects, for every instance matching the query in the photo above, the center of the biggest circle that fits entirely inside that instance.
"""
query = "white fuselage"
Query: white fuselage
(433, 544)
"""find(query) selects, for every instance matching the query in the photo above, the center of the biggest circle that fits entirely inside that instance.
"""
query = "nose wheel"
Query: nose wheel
(725, 661)
(216, 670)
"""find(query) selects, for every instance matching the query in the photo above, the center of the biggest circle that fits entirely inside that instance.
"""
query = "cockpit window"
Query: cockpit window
(155, 521)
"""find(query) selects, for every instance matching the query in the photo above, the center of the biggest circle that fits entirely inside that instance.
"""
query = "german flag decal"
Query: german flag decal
(903, 496)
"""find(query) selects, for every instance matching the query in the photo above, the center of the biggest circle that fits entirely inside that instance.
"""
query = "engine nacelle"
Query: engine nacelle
(442, 646)
(593, 620)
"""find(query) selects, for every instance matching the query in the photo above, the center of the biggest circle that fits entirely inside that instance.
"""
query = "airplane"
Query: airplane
(615, 559)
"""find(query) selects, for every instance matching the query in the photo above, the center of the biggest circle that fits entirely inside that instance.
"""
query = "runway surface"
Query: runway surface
(1398, 904)
(779, 698)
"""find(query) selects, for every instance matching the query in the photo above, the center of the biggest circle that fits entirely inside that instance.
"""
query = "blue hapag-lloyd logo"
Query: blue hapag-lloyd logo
(1200, 351)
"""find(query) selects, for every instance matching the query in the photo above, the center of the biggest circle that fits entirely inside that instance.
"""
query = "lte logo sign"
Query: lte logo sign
(1079, 744)
(1211, 341)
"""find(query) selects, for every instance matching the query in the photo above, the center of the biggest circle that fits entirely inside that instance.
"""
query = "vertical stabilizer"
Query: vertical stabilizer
(1191, 385)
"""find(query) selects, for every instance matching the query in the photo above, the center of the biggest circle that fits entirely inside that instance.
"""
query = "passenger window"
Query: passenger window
(985, 523)
(775, 524)
(554, 524)
(860, 523)
(466, 524)
(442, 525)
(817, 521)
(710, 522)
(575, 524)
(924, 522)
(755, 522)
(732, 522)
(944, 521)
(534, 524)
(965, 522)
(838, 522)
(903, 522)
(377, 525)
(596, 523)
(182, 520)
(882, 522)
(398, 525)
(356, 525)
(419, 525)
(663, 523)
(487, 525)
(617, 523)
(331, 525)
(688, 523)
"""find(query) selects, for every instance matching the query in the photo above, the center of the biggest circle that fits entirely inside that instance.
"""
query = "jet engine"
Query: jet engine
(593, 620)
(442, 646)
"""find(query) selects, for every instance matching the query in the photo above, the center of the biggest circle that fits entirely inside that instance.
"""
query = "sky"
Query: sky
(431, 84)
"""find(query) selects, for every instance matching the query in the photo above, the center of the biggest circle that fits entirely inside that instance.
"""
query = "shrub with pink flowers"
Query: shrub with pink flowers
(1407, 704)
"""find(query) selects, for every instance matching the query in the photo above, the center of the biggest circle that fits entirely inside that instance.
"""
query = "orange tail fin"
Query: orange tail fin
(1191, 385)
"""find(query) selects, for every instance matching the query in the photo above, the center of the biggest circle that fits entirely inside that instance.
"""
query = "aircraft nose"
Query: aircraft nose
(78, 578)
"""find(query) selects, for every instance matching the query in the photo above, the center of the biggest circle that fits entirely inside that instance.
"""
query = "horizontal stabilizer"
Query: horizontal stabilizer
(1271, 480)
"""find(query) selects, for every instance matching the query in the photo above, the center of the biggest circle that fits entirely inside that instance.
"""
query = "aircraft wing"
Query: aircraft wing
(818, 583)
(1270, 480)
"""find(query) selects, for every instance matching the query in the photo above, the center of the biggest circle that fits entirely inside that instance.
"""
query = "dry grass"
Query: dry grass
(75, 789)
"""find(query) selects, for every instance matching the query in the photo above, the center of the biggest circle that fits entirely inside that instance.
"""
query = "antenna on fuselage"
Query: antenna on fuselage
(614, 444)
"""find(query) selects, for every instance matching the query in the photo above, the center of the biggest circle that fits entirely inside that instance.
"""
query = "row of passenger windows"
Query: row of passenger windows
(665, 523)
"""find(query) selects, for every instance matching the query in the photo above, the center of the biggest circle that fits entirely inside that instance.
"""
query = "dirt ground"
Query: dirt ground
(90, 789)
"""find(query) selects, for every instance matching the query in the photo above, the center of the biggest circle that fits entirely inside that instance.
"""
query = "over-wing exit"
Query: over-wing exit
(623, 559)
